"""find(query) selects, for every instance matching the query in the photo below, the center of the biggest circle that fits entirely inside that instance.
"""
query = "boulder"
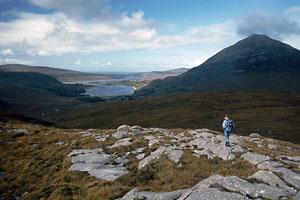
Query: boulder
(214, 194)
(255, 158)
(136, 194)
(122, 142)
(154, 155)
(93, 161)
(273, 180)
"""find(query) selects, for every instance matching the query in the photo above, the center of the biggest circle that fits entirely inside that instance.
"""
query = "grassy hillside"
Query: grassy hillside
(272, 114)
(60, 74)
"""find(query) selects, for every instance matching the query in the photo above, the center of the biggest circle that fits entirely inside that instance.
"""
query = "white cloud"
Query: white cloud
(294, 9)
(78, 8)
(15, 61)
(272, 25)
(57, 34)
(7, 52)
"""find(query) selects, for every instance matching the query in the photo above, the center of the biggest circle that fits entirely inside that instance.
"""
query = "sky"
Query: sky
(136, 35)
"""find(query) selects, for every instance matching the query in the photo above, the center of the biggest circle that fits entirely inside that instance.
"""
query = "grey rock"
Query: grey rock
(59, 143)
(140, 156)
(273, 180)
(238, 185)
(260, 143)
(254, 135)
(135, 194)
(289, 160)
(255, 158)
(297, 196)
(123, 128)
(269, 165)
(272, 147)
(214, 194)
(154, 155)
(174, 155)
(289, 176)
(94, 162)
(122, 142)
(25, 131)
(119, 134)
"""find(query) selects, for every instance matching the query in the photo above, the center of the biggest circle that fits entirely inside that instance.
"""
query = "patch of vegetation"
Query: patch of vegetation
(271, 114)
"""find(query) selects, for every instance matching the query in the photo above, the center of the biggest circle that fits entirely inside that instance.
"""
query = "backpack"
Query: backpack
(229, 124)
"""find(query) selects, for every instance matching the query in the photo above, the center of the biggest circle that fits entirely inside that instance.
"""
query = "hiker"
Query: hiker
(227, 126)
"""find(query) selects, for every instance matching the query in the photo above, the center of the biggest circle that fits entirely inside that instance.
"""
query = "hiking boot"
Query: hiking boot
(227, 144)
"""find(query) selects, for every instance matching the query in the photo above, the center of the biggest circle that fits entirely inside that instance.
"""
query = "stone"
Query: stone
(154, 155)
(119, 134)
(273, 180)
(297, 196)
(260, 143)
(254, 135)
(135, 194)
(269, 165)
(123, 128)
(93, 161)
(289, 160)
(19, 130)
(122, 142)
(140, 156)
(255, 158)
(59, 143)
(292, 178)
(237, 185)
(272, 147)
(174, 155)
(214, 194)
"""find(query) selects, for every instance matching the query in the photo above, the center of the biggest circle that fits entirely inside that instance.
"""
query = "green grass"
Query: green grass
(271, 114)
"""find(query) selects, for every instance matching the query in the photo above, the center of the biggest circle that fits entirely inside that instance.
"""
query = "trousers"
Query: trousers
(227, 133)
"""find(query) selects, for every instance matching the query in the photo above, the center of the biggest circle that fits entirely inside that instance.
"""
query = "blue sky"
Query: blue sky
(136, 35)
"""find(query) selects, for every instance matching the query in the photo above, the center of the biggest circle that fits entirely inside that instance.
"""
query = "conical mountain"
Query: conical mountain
(256, 63)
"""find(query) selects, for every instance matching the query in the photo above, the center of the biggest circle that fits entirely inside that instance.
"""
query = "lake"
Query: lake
(108, 90)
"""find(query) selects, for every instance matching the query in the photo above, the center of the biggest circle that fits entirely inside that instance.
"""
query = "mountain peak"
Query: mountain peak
(255, 63)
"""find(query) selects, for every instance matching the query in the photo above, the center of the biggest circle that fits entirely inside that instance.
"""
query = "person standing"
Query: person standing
(227, 125)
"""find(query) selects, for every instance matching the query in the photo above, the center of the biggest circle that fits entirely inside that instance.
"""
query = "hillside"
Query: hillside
(257, 63)
(38, 95)
(132, 162)
(160, 74)
(272, 114)
(62, 75)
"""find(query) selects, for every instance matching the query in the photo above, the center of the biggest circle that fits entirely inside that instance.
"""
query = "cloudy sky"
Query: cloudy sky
(136, 35)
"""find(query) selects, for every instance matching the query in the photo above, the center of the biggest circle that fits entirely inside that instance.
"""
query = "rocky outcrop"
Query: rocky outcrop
(265, 184)
(96, 163)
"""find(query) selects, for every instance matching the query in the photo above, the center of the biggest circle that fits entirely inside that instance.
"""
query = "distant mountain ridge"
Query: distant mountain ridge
(63, 75)
(160, 74)
(257, 63)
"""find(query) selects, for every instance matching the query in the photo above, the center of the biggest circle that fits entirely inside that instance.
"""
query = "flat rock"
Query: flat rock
(214, 194)
(123, 128)
(154, 155)
(254, 135)
(269, 165)
(289, 176)
(122, 142)
(119, 134)
(19, 130)
(135, 194)
(272, 147)
(237, 185)
(255, 158)
(93, 161)
(174, 155)
(273, 180)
